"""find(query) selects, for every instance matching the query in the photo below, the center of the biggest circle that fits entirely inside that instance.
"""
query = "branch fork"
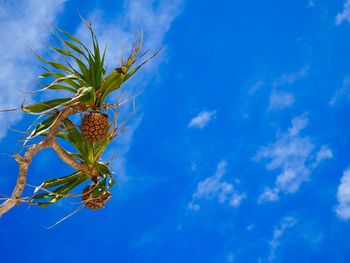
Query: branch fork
(49, 142)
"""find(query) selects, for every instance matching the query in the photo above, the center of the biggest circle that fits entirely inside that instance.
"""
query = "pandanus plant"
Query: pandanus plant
(81, 71)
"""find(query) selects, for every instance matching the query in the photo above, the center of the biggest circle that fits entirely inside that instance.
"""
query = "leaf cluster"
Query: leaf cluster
(82, 72)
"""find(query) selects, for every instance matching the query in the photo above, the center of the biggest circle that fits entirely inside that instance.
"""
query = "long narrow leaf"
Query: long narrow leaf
(44, 106)
(57, 181)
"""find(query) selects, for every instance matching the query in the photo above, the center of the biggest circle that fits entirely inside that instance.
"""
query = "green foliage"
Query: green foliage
(82, 72)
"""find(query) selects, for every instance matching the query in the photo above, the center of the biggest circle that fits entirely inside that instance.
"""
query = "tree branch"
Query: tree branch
(69, 160)
(50, 141)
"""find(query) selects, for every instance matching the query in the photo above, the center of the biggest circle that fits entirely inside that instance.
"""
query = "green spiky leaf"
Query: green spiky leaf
(44, 106)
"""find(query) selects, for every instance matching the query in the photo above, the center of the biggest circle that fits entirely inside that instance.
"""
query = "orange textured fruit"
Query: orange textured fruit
(95, 126)
(95, 202)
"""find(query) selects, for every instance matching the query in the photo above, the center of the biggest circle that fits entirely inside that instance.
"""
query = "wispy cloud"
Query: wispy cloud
(290, 78)
(202, 119)
(344, 15)
(214, 188)
(278, 232)
(22, 25)
(342, 93)
(343, 197)
(294, 156)
(153, 18)
(324, 153)
(311, 3)
(280, 100)
(256, 86)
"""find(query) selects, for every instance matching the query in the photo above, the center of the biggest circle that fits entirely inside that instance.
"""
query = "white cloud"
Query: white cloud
(278, 232)
(152, 17)
(280, 100)
(343, 197)
(213, 188)
(202, 119)
(256, 86)
(294, 156)
(344, 15)
(324, 153)
(342, 93)
(290, 78)
(23, 24)
(155, 17)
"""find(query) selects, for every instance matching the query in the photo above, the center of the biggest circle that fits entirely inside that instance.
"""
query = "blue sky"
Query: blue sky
(239, 151)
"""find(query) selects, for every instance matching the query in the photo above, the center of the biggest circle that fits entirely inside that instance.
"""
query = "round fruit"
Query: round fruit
(95, 202)
(95, 126)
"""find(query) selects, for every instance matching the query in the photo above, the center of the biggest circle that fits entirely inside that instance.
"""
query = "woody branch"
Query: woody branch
(49, 142)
